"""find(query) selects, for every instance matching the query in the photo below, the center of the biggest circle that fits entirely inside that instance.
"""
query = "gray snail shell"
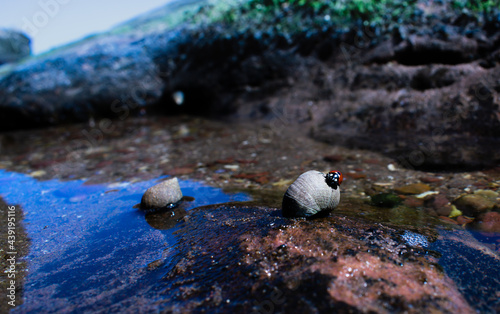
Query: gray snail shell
(311, 194)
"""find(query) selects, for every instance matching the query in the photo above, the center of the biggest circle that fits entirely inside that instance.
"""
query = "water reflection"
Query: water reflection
(88, 239)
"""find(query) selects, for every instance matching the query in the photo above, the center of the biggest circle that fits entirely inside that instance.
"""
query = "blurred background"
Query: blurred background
(51, 23)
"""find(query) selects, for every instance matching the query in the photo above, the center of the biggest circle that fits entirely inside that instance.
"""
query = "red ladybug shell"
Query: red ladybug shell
(340, 176)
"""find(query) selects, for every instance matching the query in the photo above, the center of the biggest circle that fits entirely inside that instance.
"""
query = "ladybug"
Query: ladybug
(334, 178)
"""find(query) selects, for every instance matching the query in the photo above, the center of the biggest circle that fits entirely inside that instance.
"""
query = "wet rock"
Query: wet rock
(427, 130)
(431, 179)
(413, 202)
(489, 222)
(258, 260)
(429, 116)
(488, 194)
(112, 77)
(162, 195)
(463, 220)
(440, 204)
(426, 49)
(473, 205)
(14, 46)
(388, 200)
(416, 188)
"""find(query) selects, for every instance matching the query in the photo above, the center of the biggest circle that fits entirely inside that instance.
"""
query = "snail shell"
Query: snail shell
(310, 194)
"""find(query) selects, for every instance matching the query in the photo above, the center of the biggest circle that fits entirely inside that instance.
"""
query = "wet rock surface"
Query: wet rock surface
(250, 257)
(251, 156)
(334, 263)
(386, 109)
(473, 205)
(111, 77)
(431, 101)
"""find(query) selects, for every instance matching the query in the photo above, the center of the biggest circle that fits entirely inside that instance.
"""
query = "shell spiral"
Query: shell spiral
(310, 195)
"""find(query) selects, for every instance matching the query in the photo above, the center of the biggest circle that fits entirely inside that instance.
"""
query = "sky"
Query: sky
(51, 23)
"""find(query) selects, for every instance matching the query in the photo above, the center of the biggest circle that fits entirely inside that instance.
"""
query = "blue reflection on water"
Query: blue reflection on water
(88, 237)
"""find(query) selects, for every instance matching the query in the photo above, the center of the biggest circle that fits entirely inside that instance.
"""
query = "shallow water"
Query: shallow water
(90, 249)
(88, 239)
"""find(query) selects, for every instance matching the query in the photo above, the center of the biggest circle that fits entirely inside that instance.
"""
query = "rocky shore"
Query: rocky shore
(409, 113)
(425, 93)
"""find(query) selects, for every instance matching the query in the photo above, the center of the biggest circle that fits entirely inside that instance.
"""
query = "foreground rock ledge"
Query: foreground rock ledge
(251, 259)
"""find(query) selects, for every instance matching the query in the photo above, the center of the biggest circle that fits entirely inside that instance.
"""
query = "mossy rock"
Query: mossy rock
(388, 200)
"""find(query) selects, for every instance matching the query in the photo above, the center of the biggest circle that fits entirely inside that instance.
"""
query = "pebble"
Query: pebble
(161, 195)
(448, 220)
(489, 222)
(426, 194)
(391, 167)
(416, 188)
(440, 204)
(473, 204)
(488, 194)
(454, 212)
(463, 220)
(431, 179)
(386, 200)
(181, 171)
(37, 174)
(413, 202)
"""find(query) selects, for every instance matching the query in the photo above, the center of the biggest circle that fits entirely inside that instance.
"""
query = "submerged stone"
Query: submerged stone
(489, 222)
(416, 188)
(473, 204)
(386, 200)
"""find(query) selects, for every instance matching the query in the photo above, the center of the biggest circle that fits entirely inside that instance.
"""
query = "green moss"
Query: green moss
(388, 200)
(291, 16)
(488, 7)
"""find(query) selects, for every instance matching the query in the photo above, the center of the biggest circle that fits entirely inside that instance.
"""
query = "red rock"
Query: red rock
(354, 175)
(372, 161)
(416, 188)
(262, 180)
(430, 179)
(440, 201)
(463, 220)
(338, 260)
(226, 161)
(180, 171)
(489, 222)
(413, 202)
(440, 204)
(448, 220)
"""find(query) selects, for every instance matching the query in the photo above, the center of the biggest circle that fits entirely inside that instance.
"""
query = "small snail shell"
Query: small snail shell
(313, 192)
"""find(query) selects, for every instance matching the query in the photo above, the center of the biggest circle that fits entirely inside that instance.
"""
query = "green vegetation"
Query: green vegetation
(488, 8)
(288, 16)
